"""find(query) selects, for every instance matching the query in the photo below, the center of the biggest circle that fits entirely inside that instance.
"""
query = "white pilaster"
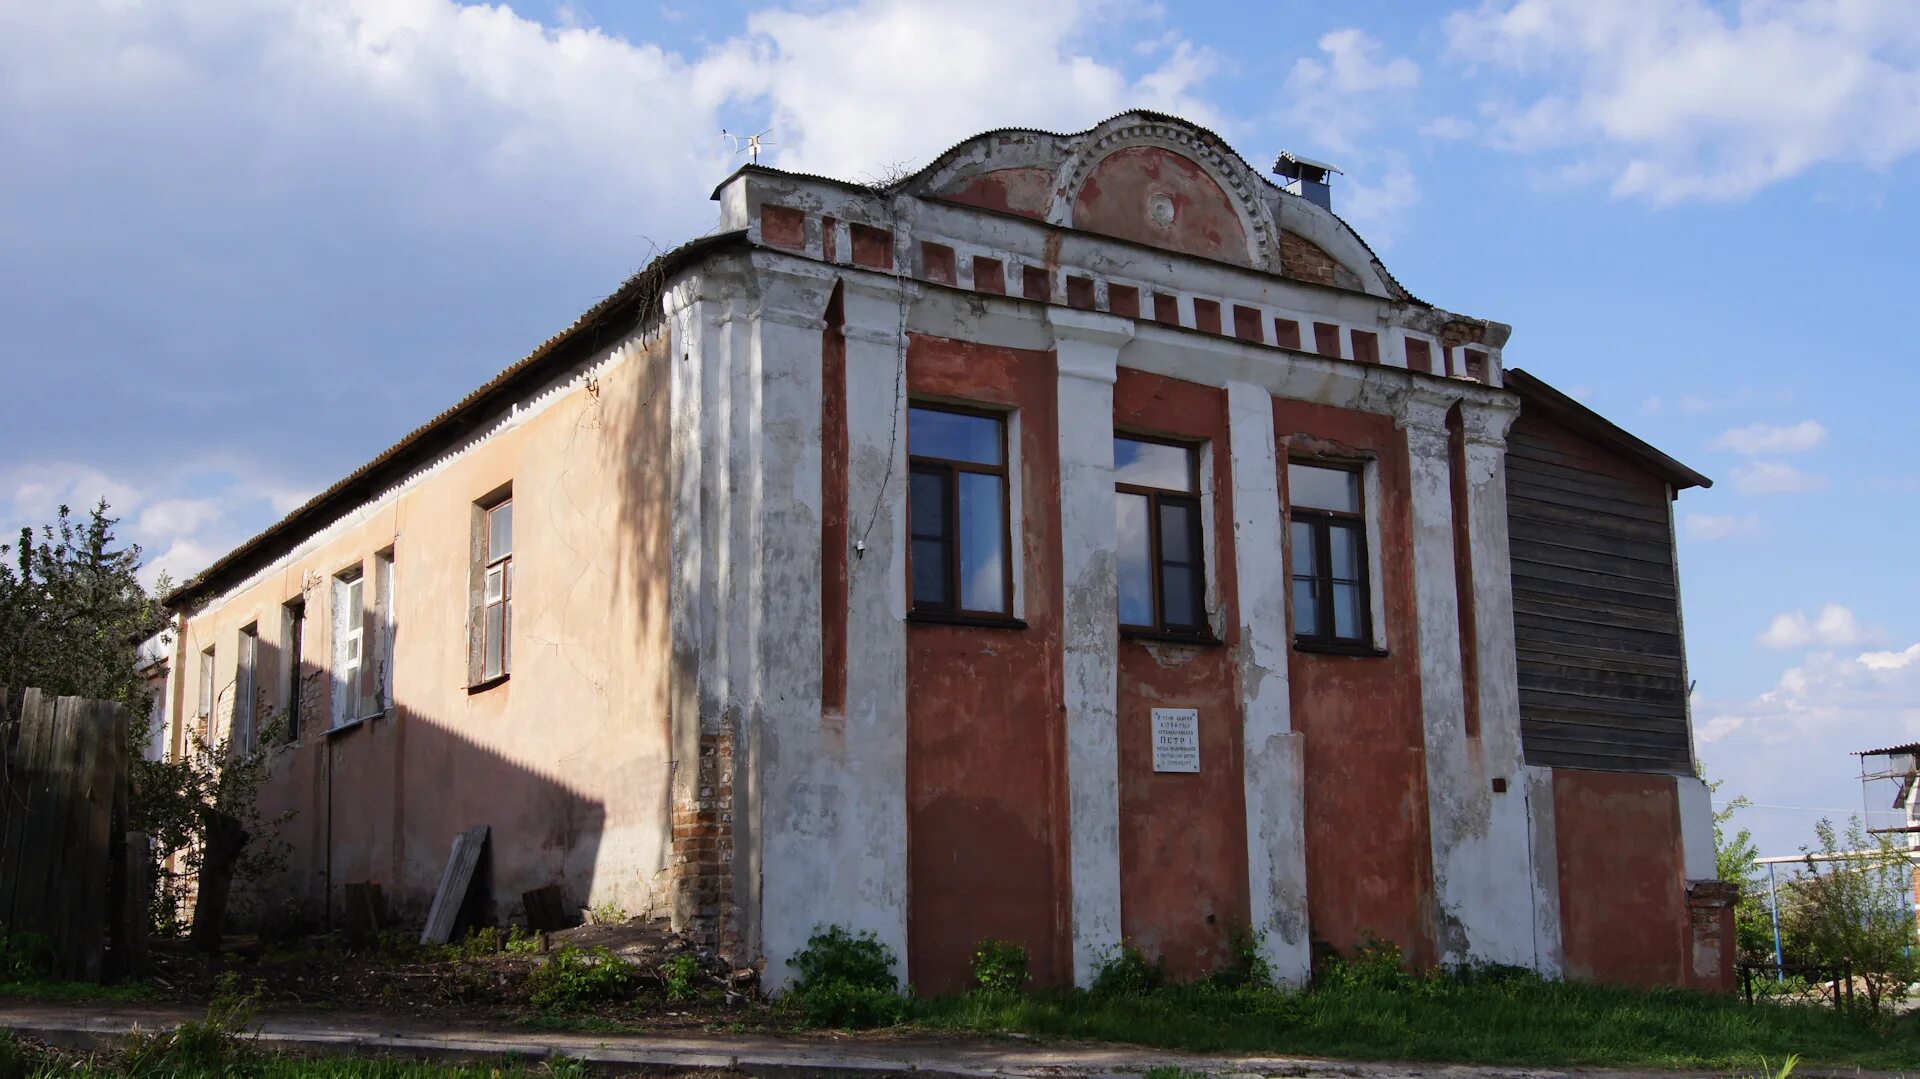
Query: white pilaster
(1087, 347)
(1273, 765)
(1500, 904)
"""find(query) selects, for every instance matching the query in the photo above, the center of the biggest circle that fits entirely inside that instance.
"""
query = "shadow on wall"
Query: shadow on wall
(382, 801)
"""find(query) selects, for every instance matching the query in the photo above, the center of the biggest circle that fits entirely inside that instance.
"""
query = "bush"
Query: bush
(1376, 964)
(845, 981)
(574, 977)
(1127, 972)
(1248, 968)
(678, 974)
(1000, 966)
(25, 957)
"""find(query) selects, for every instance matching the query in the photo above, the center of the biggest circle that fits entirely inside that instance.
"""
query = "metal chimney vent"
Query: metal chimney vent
(1306, 178)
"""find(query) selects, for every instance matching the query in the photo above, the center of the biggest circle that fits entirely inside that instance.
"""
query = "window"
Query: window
(1157, 513)
(241, 734)
(205, 725)
(496, 591)
(1331, 605)
(961, 553)
(383, 648)
(349, 644)
(294, 622)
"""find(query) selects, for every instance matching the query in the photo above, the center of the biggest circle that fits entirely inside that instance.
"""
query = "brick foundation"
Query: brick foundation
(1710, 919)
(701, 870)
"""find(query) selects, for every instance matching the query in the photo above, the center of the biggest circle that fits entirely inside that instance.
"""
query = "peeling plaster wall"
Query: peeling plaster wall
(568, 761)
(1183, 839)
(986, 765)
(1368, 868)
(1622, 882)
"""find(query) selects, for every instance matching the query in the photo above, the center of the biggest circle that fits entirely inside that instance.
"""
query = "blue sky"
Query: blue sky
(246, 245)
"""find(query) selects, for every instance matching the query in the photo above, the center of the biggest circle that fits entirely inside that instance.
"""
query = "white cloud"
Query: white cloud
(1834, 627)
(1891, 661)
(177, 516)
(1768, 438)
(1708, 526)
(1339, 95)
(1686, 99)
(1792, 745)
(1448, 127)
(1775, 478)
(1376, 208)
(461, 115)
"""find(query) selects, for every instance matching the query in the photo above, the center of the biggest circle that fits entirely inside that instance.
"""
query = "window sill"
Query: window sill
(977, 621)
(488, 683)
(1336, 648)
(350, 724)
(1204, 640)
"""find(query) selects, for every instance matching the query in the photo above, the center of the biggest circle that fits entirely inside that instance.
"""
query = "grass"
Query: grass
(1521, 1021)
(59, 992)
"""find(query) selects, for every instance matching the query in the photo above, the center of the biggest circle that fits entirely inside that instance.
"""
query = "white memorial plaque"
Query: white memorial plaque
(1176, 739)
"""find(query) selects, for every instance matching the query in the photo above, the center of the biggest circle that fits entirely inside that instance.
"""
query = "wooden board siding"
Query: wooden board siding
(1595, 605)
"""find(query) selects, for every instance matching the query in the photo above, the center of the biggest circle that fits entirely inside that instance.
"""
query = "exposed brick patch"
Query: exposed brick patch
(1710, 920)
(701, 867)
(1459, 332)
(1326, 339)
(1246, 323)
(1419, 356)
(1123, 300)
(1166, 309)
(1286, 333)
(1036, 283)
(989, 275)
(1206, 315)
(783, 226)
(872, 247)
(1304, 260)
(1366, 346)
(936, 263)
(1080, 292)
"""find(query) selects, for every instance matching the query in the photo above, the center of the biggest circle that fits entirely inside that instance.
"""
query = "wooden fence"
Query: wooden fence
(64, 862)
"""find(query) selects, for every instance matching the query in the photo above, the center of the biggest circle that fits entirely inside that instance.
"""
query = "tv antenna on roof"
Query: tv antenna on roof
(752, 144)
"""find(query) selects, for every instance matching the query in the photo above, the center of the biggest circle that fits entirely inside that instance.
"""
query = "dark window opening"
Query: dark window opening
(1332, 604)
(1163, 583)
(960, 552)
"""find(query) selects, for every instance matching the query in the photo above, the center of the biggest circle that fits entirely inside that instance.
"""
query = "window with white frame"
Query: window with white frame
(241, 736)
(204, 724)
(490, 658)
(383, 584)
(349, 644)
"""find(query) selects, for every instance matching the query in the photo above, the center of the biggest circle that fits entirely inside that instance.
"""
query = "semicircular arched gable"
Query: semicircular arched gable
(1153, 195)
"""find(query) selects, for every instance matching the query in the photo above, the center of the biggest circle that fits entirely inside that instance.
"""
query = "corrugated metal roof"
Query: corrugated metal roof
(636, 299)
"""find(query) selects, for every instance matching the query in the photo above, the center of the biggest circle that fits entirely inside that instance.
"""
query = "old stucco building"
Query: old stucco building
(1083, 539)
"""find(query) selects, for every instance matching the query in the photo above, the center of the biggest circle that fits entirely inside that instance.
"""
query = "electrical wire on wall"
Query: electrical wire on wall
(900, 365)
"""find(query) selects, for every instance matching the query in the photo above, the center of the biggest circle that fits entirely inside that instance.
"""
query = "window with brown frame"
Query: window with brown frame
(496, 593)
(1332, 605)
(1163, 580)
(961, 549)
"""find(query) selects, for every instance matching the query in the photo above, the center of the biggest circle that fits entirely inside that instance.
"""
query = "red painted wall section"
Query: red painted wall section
(986, 720)
(1183, 838)
(1026, 192)
(1623, 900)
(1154, 196)
(833, 512)
(1369, 859)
